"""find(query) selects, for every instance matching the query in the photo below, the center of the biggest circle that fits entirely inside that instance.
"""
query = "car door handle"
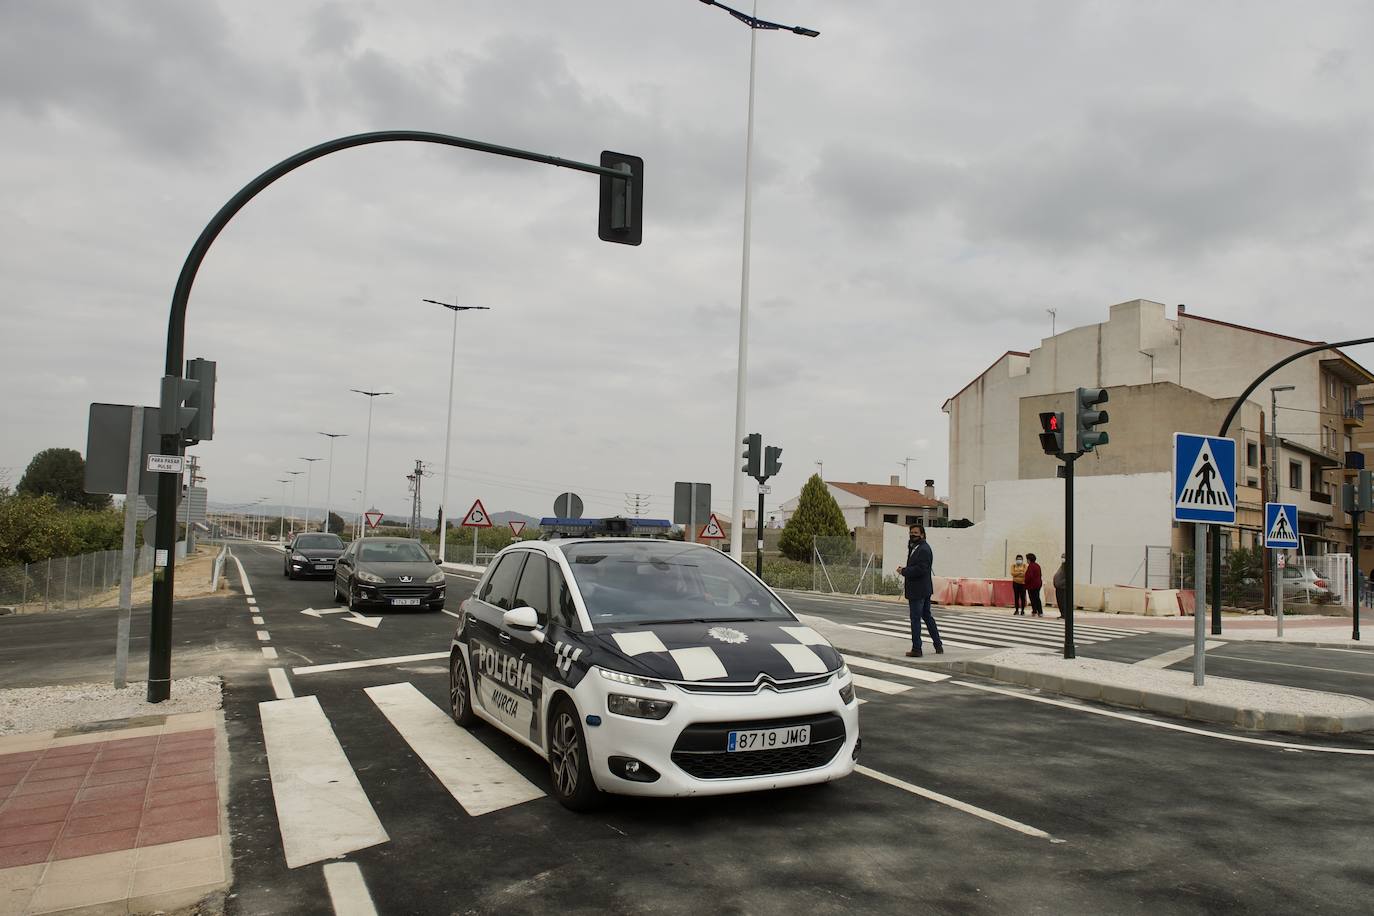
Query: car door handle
(505, 637)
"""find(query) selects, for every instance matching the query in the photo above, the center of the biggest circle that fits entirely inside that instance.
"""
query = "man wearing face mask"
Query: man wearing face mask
(919, 589)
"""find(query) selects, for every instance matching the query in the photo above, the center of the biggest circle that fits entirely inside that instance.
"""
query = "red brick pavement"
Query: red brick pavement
(83, 799)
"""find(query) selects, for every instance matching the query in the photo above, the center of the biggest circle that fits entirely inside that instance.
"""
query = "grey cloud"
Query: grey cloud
(873, 187)
(166, 77)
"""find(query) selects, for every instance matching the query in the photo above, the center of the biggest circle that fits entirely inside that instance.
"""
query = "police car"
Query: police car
(650, 667)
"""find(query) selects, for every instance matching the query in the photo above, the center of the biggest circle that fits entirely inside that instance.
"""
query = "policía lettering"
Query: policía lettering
(505, 669)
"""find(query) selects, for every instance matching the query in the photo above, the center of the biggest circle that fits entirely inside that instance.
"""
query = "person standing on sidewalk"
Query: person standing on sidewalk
(1035, 580)
(919, 589)
(1061, 584)
(1018, 584)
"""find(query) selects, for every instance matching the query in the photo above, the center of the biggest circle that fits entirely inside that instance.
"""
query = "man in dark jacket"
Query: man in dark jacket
(919, 589)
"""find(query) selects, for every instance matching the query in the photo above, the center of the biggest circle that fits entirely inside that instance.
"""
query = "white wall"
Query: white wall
(1027, 516)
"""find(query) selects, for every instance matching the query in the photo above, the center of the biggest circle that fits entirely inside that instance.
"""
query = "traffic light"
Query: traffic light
(1348, 497)
(772, 464)
(1089, 437)
(202, 399)
(176, 415)
(1052, 432)
(621, 214)
(753, 446)
(1364, 496)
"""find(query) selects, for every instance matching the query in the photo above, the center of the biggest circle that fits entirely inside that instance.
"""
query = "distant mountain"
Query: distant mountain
(505, 518)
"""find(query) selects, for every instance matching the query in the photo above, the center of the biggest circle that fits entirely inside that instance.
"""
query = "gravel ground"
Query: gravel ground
(38, 709)
(1227, 691)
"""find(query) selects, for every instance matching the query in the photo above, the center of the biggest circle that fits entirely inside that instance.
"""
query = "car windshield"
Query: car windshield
(661, 582)
(319, 542)
(393, 552)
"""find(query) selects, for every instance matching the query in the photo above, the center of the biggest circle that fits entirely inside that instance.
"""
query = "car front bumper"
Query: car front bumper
(322, 567)
(686, 748)
(383, 597)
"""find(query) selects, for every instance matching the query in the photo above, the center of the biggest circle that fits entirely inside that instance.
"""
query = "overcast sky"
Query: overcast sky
(929, 178)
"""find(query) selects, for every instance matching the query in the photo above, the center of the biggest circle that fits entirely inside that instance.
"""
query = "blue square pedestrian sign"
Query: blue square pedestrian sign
(1204, 479)
(1281, 525)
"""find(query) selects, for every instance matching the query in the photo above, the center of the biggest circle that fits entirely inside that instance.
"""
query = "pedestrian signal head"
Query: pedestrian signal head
(1052, 432)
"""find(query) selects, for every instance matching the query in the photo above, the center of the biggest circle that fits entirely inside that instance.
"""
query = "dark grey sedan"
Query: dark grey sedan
(312, 554)
(376, 573)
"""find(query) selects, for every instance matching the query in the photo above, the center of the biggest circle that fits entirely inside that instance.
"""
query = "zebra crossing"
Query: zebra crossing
(992, 631)
(323, 811)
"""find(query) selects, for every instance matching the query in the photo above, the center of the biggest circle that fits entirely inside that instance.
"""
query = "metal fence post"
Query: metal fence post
(25, 599)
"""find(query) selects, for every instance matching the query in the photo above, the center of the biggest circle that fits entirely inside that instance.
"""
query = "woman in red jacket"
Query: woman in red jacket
(1034, 580)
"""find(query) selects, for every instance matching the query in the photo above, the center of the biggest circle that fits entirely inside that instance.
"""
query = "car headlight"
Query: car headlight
(638, 707)
(630, 679)
(365, 576)
(298, 558)
(436, 579)
(846, 685)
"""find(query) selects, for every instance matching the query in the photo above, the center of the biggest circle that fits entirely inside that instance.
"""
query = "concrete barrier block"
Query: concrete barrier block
(1211, 712)
(1121, 696)
(1161, 602)
(1042, 681)
(1165, 704)
(1084, 690)
(1012, 675)
(1119, 599)
(1087, 597)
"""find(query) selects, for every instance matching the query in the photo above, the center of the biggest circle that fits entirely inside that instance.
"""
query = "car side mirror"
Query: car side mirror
(524, 620)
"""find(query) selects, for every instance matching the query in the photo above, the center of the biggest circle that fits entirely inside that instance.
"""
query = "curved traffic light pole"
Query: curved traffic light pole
(1215, 536)
(160, 637)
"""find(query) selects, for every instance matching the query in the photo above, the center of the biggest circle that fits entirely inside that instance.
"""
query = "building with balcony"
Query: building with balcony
(1166, 373)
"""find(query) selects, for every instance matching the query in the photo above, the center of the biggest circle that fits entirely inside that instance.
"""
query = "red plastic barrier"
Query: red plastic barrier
(1002, 594)
(976, 592)
(946, 590)
(1186, 602)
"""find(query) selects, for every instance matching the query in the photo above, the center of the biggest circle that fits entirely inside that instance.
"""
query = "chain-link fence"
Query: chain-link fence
(838, 567)
(86, 580)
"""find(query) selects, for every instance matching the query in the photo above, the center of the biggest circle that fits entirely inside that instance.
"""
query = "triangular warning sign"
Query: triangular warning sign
(516, 527)
(711, 531)
(1204, 488)
(1281, 530)
(476, 517)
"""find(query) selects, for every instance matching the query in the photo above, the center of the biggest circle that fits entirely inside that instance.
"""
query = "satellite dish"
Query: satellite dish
(568, 505)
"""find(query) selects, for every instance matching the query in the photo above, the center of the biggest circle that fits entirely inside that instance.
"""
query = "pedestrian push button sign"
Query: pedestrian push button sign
(1204, 479)
(1281, 525)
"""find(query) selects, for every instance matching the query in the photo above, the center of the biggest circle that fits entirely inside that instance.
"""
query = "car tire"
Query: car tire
(338, 599)
(348, 599)
(460, 691)
(286, 571)
(569, 769)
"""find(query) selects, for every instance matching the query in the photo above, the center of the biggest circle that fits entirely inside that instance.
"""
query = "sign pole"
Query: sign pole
(1199, 602)
(1278, 613)
(1355, 518)
(1067, 610)
(126, 579)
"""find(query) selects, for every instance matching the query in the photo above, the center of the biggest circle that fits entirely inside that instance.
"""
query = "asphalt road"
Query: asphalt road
(977, 798)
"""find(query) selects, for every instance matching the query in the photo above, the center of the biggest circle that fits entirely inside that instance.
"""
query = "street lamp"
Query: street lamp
(367, 450)
(329, 480)
(448, 435)
(281, 528)
(309, 466)
(294, 475)
(737, 493)
(1271, 559)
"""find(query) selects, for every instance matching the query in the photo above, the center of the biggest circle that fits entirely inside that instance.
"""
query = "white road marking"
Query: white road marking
(463, 576)
(444, 610)
(1012, 630)
(280, 684)
(263, 637)
(312, 612)
(1261, 661)
(322, 810)
(1165, 659)
(907, 636)
(269, 652)
(257, 621)
(474, 775)
(879, 685)
(919, 674)
(957, 805)
(243, 577)
(373, 622)
(992, 640)
(1171, 726)
(348, 891)
(369, 663)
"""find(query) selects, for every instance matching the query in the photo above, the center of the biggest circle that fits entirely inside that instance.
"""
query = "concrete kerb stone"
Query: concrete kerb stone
(1083, 690)
(1207, 711)
(1165, 704)
(1123, 696)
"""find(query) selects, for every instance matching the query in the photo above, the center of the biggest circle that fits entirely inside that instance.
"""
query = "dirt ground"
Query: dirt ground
(192, 581)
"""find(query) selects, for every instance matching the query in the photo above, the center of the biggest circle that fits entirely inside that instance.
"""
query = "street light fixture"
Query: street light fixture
(329, 480)
(367, 450)
(309, 466)
(281, 527)
(294, 475)
(755, 24)
(448, 434)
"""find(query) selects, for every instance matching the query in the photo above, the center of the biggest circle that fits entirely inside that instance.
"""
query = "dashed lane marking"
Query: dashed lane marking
(322, 810)
(1165, 659)
(348, 891)
(269, 652)
(257, 621)
(369, 663)
(281, 685)
(263, 636)
(475, 776)
(957, 805)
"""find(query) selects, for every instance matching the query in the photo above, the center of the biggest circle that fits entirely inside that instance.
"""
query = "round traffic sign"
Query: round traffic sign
(568, 505)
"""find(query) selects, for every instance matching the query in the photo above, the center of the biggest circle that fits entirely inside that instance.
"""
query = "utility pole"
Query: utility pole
(636, 505)
(329, 481)
(415, 477)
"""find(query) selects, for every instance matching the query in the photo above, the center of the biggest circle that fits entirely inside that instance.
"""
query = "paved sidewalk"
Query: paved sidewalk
(1229, 701)
(123, 820)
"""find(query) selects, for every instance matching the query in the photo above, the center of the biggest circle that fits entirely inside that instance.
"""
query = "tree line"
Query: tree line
(49, 513)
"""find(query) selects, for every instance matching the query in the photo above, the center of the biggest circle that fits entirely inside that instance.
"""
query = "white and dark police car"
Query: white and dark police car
(650, 667)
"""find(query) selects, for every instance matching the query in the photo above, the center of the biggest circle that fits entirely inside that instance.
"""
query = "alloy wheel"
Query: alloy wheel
(564, 754)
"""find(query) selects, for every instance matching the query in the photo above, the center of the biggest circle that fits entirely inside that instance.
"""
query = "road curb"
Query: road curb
(1166, 704)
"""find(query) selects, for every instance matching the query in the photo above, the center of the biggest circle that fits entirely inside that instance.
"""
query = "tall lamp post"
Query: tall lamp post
(294, 475)
(329, 478)
(1270, 560)
(448, 435)
(309, 466)
(367, 450)
(737, 491)
(281, 528)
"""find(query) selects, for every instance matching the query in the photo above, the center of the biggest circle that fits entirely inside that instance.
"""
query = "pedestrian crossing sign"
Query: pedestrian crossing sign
(1204, 479)
(1281, 525)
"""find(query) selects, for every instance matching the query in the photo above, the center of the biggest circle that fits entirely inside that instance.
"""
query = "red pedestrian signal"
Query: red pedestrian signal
(1052, 432)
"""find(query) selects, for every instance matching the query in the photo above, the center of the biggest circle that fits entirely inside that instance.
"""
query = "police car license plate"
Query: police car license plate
(406, 602)
(768, 739)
